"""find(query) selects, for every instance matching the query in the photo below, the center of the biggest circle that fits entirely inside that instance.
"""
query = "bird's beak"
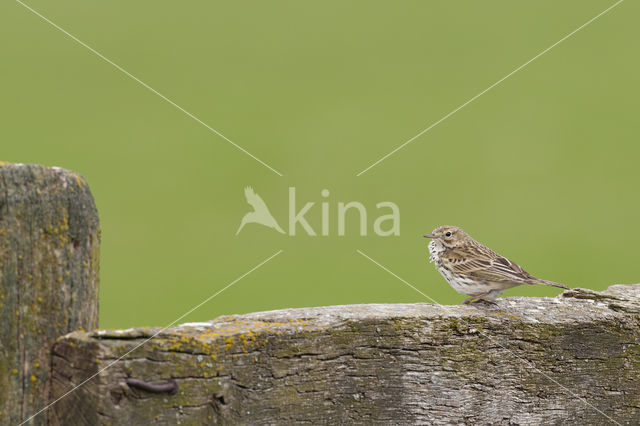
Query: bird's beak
(429, 236)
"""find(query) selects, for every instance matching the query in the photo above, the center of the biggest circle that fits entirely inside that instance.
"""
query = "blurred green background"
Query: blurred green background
(543, 168)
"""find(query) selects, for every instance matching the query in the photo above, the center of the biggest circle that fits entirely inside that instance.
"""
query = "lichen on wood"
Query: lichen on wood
(573, 359)
(49, 260)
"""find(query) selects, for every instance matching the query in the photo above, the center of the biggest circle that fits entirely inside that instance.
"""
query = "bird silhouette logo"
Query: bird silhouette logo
(260, 213)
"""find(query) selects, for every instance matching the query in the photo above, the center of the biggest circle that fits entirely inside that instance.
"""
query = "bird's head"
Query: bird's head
(449, 236)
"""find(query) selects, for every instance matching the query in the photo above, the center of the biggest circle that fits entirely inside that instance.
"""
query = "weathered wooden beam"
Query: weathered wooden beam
(49, 247)
(573, 359)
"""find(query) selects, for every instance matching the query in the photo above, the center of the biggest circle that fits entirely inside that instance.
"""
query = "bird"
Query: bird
(260, 213)
(473, 269)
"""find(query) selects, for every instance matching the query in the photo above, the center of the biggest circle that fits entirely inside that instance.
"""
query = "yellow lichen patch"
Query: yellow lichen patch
(229, 342)
(179, 342)
(175, 346)
(247, 333)
(246, 340)
(207, 335)
(79, 181)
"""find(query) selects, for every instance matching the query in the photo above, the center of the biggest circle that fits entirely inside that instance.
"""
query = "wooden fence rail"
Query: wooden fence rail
(574, 359)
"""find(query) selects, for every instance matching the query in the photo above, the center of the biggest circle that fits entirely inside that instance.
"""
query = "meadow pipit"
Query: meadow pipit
(474, 269)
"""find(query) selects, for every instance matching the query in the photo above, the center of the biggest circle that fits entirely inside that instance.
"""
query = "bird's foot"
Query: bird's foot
(478, 298)
(488, 302)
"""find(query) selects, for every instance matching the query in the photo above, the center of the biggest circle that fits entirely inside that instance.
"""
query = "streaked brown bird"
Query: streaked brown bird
(473, 269)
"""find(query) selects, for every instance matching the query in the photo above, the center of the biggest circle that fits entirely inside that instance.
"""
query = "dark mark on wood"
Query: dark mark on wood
(170, 387)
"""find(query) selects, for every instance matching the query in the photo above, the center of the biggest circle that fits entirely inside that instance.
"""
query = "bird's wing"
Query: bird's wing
(254, 199)
(483, 264)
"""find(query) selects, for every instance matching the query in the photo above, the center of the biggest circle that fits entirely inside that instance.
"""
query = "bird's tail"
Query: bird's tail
(551, 283)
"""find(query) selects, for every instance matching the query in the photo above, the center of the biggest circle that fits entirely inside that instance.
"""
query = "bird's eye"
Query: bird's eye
(448, 234)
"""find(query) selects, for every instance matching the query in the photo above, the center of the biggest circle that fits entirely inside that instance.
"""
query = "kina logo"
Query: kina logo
(384, 225)
(260, 213)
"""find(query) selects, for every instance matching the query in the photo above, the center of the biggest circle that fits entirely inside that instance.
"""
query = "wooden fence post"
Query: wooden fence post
(49, 264)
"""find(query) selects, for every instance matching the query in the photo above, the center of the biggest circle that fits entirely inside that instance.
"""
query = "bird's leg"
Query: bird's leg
(476, 296)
